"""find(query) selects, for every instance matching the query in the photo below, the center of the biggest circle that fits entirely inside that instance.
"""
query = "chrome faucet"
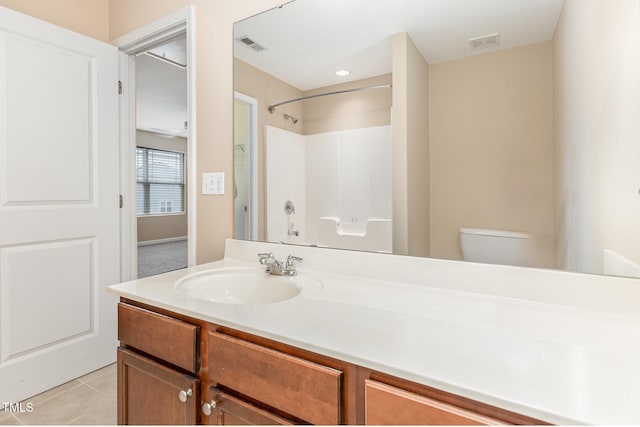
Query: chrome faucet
(278, 268)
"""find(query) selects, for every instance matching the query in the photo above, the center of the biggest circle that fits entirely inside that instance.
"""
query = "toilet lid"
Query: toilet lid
(496, 233)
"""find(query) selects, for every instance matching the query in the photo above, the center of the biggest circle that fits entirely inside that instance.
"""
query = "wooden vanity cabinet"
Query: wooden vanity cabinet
(173, 369)
(157, 368)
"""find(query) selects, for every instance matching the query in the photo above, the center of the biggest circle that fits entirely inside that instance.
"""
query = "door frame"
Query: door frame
(168, 27)
(253, 161)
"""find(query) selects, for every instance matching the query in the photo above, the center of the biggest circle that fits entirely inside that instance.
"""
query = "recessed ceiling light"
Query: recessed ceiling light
(342, 73)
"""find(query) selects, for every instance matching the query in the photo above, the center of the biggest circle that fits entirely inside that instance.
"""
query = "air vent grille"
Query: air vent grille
(248, 41)
(483, 42)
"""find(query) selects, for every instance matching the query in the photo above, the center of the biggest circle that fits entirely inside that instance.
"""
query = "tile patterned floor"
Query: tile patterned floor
(88, 400)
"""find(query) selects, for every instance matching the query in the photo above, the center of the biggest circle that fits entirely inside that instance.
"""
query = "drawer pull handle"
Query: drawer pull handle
(184, 395)
(208, 407)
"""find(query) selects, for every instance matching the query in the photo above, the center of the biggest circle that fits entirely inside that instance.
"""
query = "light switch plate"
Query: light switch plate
(213, 183)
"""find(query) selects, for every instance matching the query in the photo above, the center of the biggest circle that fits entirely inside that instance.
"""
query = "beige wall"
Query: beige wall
(268, 90)
(491, 136)
(597, 95)
(161, 227)
(155, 227)
(88, 17)
(354, 110)
(410, 120)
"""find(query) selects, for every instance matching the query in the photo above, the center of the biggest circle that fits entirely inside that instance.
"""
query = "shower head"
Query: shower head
(290, 117)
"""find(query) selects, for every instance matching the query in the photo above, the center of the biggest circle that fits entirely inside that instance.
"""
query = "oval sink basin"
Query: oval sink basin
(244, 286)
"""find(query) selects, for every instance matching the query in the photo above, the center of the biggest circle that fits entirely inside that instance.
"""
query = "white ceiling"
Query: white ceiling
(161, 91)
(308, 40)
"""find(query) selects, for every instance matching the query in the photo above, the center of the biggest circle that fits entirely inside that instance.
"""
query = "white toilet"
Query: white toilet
(496, 247)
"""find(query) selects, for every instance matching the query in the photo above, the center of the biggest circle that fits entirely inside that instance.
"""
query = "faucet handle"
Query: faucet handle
(291, 260)
(263, 257)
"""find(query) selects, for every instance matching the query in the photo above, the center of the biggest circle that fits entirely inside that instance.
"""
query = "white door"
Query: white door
(59, 226)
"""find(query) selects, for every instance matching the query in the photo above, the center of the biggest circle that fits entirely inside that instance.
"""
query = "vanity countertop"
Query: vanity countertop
(566, 353)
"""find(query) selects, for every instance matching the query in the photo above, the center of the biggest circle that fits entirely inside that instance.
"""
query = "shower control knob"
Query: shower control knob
(184, 395)
(208, 407)
(289, 208)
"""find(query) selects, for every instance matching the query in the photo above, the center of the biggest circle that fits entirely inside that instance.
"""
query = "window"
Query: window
(160, 181)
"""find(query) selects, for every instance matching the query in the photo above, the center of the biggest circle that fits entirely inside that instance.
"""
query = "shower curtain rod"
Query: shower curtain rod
(272, 108)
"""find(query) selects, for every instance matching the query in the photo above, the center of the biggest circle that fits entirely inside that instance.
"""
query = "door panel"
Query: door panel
(59, 223)
(26, 286)
(149, 393)
(62, 137)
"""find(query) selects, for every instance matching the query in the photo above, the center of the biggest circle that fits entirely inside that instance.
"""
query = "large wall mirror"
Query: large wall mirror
(476, 130)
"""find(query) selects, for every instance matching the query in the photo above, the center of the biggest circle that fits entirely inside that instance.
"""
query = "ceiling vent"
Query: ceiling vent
(483, 42)
(248, 41)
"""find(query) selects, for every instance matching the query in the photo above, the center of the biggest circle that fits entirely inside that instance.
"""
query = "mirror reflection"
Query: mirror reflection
(455, 129)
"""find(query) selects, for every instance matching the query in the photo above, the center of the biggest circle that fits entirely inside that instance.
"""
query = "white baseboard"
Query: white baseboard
(167, 240)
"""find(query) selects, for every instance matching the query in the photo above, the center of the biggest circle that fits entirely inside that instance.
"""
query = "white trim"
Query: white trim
(156, 32)
(253, 161)
(192, 185)
(166, 240)
(177, 23)
(128, 220)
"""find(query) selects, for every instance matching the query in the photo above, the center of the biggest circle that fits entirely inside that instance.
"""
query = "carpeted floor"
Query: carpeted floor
(161, 257)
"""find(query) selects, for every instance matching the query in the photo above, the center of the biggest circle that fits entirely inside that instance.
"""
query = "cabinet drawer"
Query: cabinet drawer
(302, 389)
(171, 340)
(388, 405)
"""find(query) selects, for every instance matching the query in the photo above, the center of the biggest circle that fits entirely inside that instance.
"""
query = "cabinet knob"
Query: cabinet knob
(208, 407)
(184, 395)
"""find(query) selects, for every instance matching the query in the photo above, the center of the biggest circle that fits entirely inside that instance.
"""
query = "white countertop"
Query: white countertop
(545, 353)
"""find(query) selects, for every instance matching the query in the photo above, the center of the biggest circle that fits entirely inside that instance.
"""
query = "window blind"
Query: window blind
(160, 181)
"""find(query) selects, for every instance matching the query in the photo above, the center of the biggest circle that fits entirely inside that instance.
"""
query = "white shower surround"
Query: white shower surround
(342, 177)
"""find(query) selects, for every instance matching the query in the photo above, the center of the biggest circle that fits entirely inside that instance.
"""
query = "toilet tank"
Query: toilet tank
(496, 247)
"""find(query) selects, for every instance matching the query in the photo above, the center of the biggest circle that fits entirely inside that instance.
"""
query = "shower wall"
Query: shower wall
(285, 179)
(340, 183)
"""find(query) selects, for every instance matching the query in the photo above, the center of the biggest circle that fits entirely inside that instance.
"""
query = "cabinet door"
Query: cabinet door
(151, 393)
(388, 405)
(232, 411)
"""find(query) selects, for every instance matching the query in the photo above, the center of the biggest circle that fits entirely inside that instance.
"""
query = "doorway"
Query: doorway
(161, 157)
(158, 146)
(245, 167)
